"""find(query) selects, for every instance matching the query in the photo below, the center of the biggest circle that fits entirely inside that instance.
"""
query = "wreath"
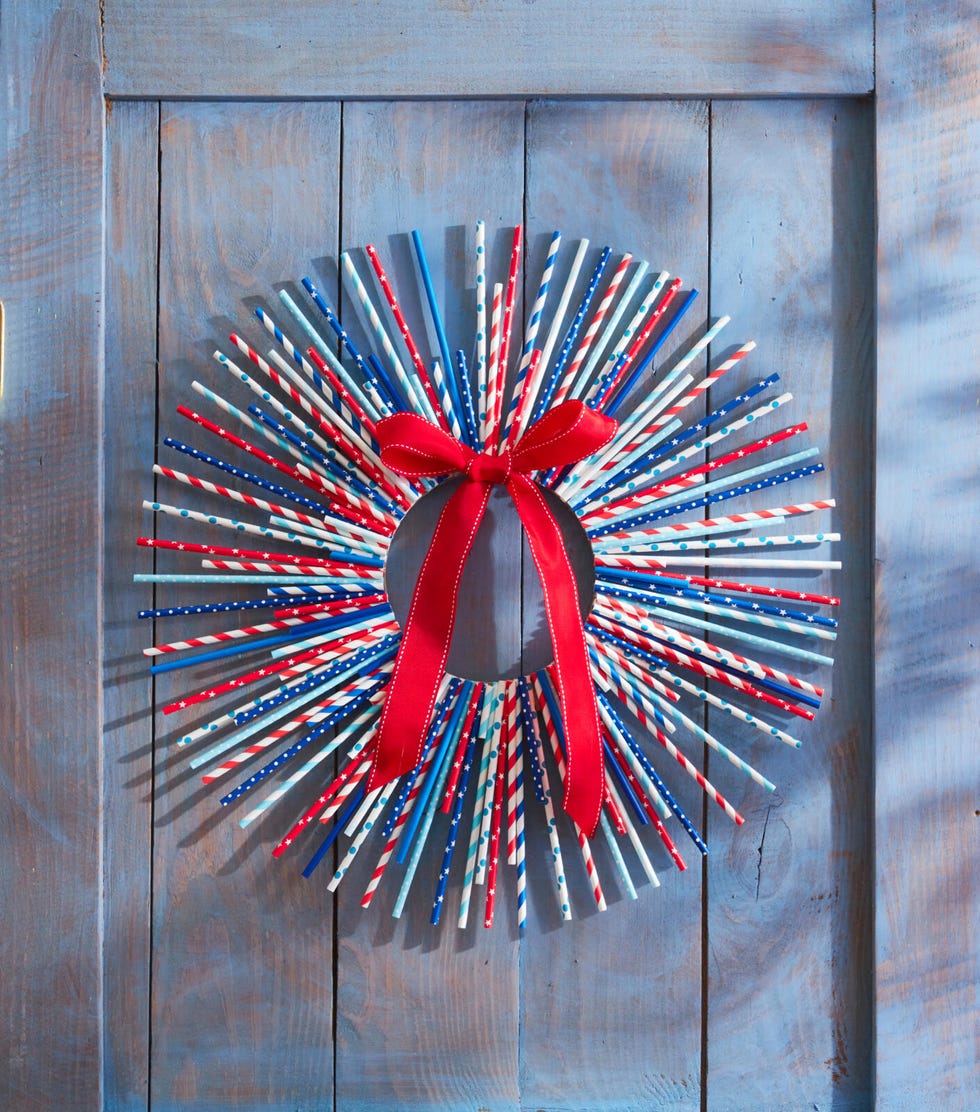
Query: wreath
(328, 459)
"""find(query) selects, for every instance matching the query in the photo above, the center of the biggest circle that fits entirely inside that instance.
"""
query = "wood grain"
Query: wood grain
(926, 675)
(610, 1004)
(247, 48)
(130, 416)
(51, 547)
(427, 1017)
(242, 946)
(789, 910)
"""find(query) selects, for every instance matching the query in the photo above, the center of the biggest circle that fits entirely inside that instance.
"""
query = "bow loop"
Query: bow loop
(413, 447)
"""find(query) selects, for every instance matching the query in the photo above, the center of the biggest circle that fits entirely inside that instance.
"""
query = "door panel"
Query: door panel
(426, 1017)
(596, 993)
(390, 48)
(242, 973)
(645, 1003)
(788, 894)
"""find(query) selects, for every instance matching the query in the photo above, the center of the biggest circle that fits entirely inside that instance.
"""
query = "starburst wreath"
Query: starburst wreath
(354, 441)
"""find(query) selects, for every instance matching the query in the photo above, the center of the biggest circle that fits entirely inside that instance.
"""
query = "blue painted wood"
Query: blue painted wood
(427, 1017)
(215, 1056)
(248, 48)
(130, 418)
(611, 1003)
(242, 946)
(51, 648)
(926, 676)
(789, 909)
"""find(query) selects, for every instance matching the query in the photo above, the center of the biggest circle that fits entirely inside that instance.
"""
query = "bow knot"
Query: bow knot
(415, 448)
(491, 468)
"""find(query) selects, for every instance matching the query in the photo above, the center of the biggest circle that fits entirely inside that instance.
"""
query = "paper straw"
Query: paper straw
(534, 323)
(557, 374)
(532, 736)
(494, 377)
(456, 405)
(457, 809)
(571, 375)
(480, 357)
(431, 407)
(550, 720)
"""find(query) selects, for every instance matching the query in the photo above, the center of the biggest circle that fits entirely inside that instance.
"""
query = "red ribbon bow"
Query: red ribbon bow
(415, 448)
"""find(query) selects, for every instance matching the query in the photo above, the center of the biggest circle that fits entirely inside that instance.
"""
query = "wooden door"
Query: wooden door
(168, 167)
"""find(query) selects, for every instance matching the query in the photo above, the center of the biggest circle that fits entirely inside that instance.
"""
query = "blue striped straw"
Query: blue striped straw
(572, 334)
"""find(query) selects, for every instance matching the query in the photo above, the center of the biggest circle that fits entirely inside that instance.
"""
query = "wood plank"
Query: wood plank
(247, 48)
(130, 418)
(242, 947)
(427, 1017)
(611, 1003)
(927, 699)
(50, 595)
(789, 920)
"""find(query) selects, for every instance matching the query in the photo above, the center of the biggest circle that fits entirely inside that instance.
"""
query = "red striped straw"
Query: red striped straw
(568, 380)
(236, 495)
(669, 294)
(340, 569)
(496, 821)
(389, 849)
(456, 768)
(227, 635)
(332, 606)
(311, 813)
(494, 378)
(511, 296)
(413, 351)
(550, 729)
(515, 793)
(250, 553)
(719, 522)
(289, 667)
(642, 617)
(668, 415)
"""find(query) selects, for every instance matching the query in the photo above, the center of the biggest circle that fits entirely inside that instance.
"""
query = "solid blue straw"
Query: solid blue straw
(338, 825)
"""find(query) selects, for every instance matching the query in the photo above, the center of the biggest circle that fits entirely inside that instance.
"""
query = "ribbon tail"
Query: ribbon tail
(421, 660)
(584, 765)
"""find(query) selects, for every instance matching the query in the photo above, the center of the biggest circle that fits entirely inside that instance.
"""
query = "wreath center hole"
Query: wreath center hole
(501, 628)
